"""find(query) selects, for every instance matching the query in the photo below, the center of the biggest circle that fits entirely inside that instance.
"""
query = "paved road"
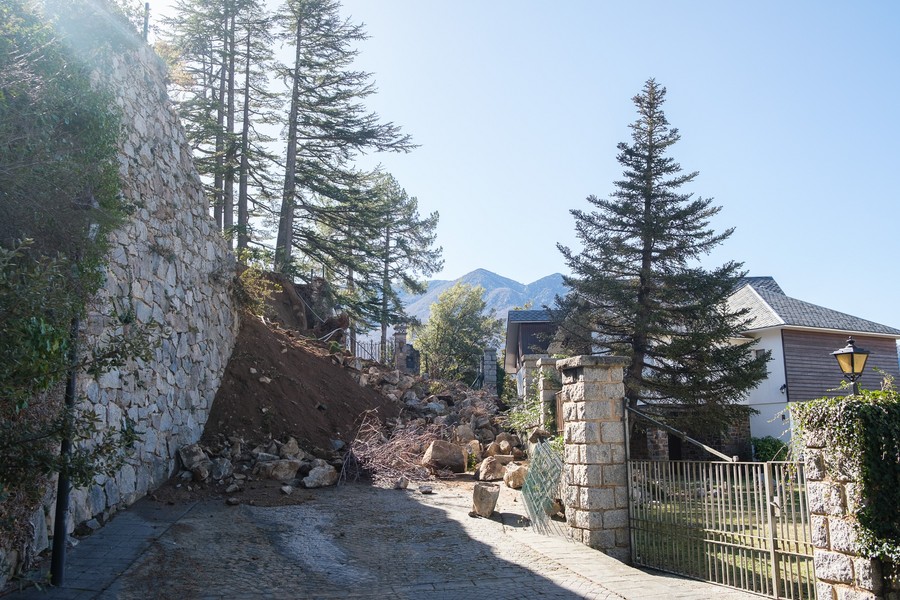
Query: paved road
(351, 541)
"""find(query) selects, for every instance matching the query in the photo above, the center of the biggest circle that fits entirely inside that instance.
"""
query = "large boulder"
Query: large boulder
(492, 449)
(490, 469)
(473, 448)
(196, 461)
(444, 455)
(321, 475)
(283, 470)
(484, 498)
(514, 476)
(505, 436)
(464, 434)
(221, 469)
(290, 449)
(192, 456)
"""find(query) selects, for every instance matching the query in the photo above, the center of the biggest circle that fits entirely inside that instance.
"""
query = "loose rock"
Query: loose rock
(514, 476)
(445, 455)
(484, 498)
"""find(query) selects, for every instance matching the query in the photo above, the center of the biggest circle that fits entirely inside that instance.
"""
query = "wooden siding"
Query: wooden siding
(811, 370)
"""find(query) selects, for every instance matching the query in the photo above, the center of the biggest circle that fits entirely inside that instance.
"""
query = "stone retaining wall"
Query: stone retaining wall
(168, 266)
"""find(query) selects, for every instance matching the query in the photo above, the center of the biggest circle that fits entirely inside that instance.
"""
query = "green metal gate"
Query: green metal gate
(743, 525)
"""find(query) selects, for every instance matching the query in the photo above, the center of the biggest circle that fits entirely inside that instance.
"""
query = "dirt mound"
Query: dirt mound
(279, 385)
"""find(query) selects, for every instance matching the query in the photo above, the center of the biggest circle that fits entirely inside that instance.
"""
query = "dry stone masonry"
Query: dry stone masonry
(596, 497)
(841, 573)
(170, 268)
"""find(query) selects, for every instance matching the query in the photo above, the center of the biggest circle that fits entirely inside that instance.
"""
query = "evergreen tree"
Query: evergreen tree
(453, 340)
(636, 281)
(406, 250)
(220, 53)
(327, 126)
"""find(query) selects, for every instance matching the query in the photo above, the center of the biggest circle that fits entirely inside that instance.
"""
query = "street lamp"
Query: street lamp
(852, 361)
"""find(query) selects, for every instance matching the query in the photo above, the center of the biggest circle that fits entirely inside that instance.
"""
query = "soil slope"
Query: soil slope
(279, 385)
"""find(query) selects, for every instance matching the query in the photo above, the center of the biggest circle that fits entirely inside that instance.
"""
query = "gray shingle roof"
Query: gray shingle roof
(528, 316)
(769, 307)
(762, 283)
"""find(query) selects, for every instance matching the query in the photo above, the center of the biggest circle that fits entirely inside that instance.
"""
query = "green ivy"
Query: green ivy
(863, 432)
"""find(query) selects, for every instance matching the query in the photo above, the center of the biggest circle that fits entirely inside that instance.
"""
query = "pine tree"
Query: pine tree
(638, 285)
(406, 250)
(327, 126)
(221, 53)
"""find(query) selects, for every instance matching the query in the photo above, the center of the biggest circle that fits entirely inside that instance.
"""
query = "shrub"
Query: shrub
(769, 448)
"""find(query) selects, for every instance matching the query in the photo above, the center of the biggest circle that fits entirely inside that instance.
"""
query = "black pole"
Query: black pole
(58, 562)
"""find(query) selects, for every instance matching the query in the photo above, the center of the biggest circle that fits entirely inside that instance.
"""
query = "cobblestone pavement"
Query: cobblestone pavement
(351, 541)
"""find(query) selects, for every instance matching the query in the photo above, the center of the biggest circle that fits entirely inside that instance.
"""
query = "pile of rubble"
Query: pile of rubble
(233, 466)
(443, 428)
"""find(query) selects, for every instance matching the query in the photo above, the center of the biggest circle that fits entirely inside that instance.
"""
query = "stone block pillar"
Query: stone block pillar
(548, 384)
(400, 353)
(833, 499)
(596, 498)
(490, 370)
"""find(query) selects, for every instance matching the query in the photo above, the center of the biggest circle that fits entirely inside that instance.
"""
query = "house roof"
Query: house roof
(528, 316)
(768, 306)
(761, 283)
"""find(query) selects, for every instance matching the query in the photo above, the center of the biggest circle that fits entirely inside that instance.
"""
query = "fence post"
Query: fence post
(596, 495)
(770, 529)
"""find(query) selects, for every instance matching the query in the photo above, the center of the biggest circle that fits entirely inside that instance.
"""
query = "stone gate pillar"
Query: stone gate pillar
(400, 348)
(833, 498)
(490, 370)
(596, 497)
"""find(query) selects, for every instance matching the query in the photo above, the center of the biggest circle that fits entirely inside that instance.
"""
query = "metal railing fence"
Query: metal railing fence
(376, 351)
(742, 525)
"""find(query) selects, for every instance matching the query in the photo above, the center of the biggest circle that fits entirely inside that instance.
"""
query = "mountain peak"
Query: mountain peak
(501, 294)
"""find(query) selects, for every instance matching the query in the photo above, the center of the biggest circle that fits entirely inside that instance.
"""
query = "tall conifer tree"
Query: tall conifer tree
(638, 286)
(327, 125)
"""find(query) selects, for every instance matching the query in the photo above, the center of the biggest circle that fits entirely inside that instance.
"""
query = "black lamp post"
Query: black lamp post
(852, 361)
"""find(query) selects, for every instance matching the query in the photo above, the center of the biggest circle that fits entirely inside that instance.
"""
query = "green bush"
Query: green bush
(769, 448)
(59, 197)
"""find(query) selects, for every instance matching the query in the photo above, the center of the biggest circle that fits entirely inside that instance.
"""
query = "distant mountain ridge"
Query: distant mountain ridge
(501, 294)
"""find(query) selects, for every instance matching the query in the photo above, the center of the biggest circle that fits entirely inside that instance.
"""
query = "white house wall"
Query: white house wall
(767, 397)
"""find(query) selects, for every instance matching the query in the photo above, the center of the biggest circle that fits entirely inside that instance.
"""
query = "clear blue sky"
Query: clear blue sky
(787, 109)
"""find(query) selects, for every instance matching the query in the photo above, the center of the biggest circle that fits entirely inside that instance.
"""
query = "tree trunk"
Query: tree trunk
(351, 329)
(286, 215)
(243, 237)
(230, 148)
(385, 282)
(218, 176)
